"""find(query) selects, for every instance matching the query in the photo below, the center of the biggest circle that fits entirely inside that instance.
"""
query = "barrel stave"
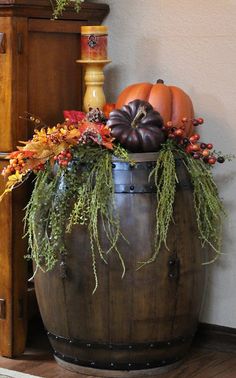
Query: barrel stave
(148, 318)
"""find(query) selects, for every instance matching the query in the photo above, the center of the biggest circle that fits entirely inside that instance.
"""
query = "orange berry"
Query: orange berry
(195, 147)
(205, 152)
(179, 133)
(169, 124)
(63, 163)
(194, 138)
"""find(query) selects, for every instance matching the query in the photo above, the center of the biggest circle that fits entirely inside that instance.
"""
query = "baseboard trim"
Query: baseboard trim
(221, 335)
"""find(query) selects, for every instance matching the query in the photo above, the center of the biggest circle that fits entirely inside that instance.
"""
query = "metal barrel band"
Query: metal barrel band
(110, 365)
(123, 166)
(147, 188)
(110, 346)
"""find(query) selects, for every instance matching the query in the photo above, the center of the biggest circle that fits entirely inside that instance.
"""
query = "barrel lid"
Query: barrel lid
(96, 29)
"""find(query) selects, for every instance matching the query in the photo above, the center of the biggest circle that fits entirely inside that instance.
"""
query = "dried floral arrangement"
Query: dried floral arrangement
(72, 162)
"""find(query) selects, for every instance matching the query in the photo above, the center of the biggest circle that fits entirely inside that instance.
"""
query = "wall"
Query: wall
(191, 44)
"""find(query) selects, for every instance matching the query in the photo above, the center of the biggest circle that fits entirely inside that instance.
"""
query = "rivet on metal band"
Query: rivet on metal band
(118, 366)
(108, 346)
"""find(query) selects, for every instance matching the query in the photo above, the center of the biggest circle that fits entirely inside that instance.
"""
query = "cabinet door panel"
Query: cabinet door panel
(54, 77)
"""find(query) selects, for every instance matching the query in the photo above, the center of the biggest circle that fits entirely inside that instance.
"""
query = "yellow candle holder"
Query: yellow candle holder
(94, 96)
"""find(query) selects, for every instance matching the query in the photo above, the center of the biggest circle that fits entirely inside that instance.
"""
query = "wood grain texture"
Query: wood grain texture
(5, 270)
(48, 26)
(13, 272)
(13, 83)
(90, 12)
(202, 362)
(223, 338)
(54, 78)
(6, 64)
(2, 43)
(38, 73)
(82, 371)
(146, 306)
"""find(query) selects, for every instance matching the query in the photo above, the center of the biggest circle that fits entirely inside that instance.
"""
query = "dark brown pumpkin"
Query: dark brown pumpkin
(137, 127)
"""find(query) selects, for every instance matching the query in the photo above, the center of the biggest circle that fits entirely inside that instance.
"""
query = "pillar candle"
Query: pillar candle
(94, 42)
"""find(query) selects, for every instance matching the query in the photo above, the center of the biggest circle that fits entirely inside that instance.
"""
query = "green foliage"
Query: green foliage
(206, 201)
(208, 206)
(165, 180)
(81, 194)
(60, 6)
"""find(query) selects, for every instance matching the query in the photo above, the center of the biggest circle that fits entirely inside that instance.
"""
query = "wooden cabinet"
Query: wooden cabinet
(38, 74)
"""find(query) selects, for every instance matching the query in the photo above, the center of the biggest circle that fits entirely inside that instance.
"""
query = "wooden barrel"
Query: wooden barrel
(147, 319)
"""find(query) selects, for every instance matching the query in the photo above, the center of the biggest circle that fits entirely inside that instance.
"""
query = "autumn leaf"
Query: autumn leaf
(13, 155)
(73, 136)
(49, 142)
(12, 181)
(73, 116)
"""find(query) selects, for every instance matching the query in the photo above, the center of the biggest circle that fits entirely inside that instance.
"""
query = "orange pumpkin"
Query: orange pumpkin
(171, 102)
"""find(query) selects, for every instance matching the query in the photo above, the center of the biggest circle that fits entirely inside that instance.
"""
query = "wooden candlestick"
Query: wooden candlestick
(94, 79)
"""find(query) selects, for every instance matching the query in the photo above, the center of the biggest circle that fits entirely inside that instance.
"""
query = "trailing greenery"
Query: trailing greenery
(81, 194)
(60, 5)
(165, 181)
(208, 205)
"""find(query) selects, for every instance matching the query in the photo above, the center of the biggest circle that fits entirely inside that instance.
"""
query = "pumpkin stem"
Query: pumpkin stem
(140, 114)
(160, 81)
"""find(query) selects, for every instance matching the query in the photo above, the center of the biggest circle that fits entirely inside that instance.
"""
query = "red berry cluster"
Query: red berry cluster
(63, 158)
(192, 145)
(39, 167)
